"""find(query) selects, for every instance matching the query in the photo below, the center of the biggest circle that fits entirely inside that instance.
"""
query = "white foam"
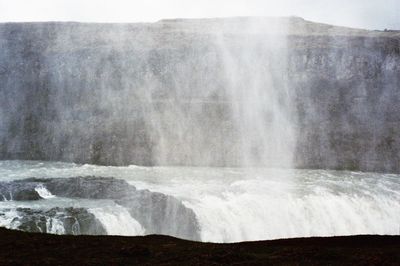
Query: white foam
(54, 226)
(236, 205)
(232, 218)
(7, 219)
(44, 192)
(117, 221)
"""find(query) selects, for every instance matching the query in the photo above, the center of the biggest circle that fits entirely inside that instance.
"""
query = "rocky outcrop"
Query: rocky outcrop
(65, 221)
(18, 191)
(156, 212)
(158, 94)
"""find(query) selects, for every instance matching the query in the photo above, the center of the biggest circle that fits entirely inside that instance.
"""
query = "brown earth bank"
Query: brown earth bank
(20, 248)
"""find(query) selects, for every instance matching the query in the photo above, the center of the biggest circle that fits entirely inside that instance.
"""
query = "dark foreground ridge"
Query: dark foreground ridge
(40, 249)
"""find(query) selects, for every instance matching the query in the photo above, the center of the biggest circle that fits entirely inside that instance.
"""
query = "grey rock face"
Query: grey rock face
(158, 94)
(348, 104)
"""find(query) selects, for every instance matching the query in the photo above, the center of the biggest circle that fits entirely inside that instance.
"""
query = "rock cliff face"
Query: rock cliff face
(159, 94)
(348, 104)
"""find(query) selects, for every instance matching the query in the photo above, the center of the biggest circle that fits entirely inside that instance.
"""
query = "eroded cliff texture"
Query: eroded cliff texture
(158, 94)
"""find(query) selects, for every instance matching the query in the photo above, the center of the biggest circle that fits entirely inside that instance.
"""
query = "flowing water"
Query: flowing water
(231, 204)
(245, 93)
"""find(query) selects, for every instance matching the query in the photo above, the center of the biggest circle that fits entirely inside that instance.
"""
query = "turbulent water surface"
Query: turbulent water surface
(229, 204)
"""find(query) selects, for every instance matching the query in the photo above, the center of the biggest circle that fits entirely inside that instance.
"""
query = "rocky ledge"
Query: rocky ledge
(156, 212)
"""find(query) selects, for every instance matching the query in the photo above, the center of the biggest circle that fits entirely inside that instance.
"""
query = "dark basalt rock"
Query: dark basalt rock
(24, 195)
(74, 221)
(88, 187)
(156, 212)
(18, 191)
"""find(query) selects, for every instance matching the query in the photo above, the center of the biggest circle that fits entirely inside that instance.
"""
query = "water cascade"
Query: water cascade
(198, 129)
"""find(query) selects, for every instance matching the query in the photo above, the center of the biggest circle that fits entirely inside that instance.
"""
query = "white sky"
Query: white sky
(372, 14)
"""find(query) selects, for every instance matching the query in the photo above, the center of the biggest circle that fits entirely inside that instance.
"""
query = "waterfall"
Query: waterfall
(220, 204)
(198, 129)
(258, 92)
(215, 92)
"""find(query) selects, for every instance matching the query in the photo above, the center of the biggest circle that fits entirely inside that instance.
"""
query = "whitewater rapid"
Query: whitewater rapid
(233, 204)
